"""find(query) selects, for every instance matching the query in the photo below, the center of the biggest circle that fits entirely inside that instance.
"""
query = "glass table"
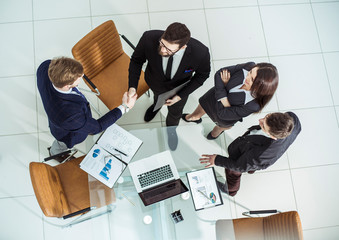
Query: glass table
(128, 211)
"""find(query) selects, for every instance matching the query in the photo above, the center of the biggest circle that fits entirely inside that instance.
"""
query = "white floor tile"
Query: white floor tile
(132, 26)
(193, 19)
(271, 2)
(108, 7)
(163, 5)
(327, 18)
(20, 109)
(16, 47)
(317, 195)
(228, 3)
(21, 218)
(270, 190)
(59, 42)
(233, 36)
(48, 9)
(330, 233)
(331, 61)
(283, 25)
(302, 82)
(15, 11)
(318, 142)
(17, 152)
(337, 111)
(96, 228)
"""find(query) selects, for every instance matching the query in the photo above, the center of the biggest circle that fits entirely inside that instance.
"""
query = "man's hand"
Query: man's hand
(225, 76)
(173, 100)
(131, 92)
(129, 101)
(208, 159)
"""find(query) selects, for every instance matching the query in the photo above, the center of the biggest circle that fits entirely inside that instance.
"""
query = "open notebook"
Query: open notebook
(109, 157)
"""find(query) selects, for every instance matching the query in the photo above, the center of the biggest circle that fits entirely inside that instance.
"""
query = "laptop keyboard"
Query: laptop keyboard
(155, 176)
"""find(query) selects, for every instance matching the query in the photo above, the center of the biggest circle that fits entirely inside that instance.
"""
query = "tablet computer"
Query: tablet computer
(204, 190)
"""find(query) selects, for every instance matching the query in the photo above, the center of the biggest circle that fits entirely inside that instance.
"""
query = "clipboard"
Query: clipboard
(166, 95)
(204, 190)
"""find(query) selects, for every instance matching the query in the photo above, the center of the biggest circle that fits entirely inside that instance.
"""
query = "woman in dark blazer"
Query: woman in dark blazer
(239, 91)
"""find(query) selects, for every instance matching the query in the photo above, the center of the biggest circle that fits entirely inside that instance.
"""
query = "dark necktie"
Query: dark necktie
(169, 67)
(78, 92)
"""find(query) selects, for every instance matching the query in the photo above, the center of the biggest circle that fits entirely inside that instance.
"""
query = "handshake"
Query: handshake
(129, 98)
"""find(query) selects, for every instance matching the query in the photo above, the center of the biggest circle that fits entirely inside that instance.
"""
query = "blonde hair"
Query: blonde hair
(64, 71)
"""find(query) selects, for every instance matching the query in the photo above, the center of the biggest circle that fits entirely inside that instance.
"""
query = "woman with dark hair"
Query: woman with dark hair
(239, 91)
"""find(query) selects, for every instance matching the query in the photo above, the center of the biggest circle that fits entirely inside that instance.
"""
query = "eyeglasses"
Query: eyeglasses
(167, 49)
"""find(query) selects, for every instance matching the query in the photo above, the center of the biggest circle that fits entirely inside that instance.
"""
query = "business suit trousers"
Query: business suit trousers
(232, 181)
(174, 111)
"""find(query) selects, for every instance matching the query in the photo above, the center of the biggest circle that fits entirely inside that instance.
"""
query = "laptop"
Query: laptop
(156, 178)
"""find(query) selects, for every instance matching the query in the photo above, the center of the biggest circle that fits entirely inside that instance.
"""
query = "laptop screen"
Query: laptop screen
(162, 192)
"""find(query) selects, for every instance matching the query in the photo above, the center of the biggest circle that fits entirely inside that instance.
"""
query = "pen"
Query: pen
(120, 152)
(203, 194)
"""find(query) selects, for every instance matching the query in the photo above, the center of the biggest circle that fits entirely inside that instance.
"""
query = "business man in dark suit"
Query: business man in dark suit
(69, 115)
(174, 58)
(260, 147)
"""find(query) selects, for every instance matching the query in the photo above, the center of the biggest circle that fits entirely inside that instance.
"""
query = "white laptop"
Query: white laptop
(156, 178)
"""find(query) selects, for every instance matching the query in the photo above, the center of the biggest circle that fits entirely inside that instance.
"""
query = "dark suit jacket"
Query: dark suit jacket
(255, 152)
(238, 109)
(69, 116)
(196, 60)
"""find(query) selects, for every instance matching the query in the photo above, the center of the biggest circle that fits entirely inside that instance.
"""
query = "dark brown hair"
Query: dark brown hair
(265, 83)
(177, 33)
(64, 71)
(280, 124)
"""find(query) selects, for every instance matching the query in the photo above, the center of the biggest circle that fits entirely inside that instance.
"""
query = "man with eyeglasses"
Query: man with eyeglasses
(174, 58)
(260, 147)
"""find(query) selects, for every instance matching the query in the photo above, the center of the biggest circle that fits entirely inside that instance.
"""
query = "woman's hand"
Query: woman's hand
(225, 102)
(225, 76)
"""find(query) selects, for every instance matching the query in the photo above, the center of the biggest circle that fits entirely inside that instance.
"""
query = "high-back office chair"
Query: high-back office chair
(281, 226)
(106, 64)
(63, 190)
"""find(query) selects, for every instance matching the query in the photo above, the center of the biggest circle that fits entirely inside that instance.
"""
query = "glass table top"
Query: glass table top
(128, 215)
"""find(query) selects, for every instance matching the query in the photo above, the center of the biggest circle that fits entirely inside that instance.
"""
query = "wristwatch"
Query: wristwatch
(126, 107)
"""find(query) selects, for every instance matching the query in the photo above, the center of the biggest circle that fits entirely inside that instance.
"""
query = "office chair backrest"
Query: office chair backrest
(281, 226)
(48, 190)
(98, 49)
(285, 225)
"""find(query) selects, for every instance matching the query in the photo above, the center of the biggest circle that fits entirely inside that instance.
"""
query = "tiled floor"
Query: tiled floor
(301, 37)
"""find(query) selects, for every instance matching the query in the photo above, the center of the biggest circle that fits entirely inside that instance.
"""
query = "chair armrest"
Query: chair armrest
(127, 41)
(247, 214)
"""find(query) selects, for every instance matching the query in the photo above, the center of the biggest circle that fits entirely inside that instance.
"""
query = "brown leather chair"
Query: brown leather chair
(63, 190)
(281, 226)
(106, 64)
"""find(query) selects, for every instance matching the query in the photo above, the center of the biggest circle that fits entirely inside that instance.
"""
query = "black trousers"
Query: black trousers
(174, 111)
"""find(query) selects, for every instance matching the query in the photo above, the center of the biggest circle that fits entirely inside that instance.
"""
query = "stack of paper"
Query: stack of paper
(109, 157)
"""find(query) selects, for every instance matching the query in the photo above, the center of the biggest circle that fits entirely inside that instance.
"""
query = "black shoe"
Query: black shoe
(222, 186)
(196, 121)
(172, 138)
(59, 157)
(149, 115)
(210, 137)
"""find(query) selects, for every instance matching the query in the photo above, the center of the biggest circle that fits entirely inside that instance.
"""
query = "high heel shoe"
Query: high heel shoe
(184, 118)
